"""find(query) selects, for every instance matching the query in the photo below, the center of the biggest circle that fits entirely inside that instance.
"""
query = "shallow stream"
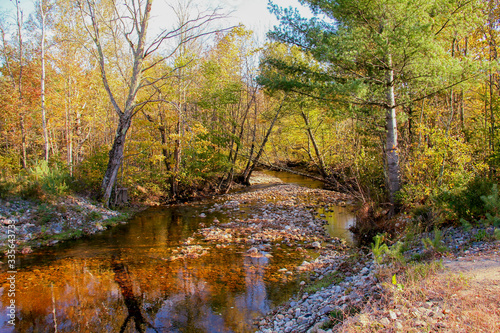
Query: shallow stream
(127, 279)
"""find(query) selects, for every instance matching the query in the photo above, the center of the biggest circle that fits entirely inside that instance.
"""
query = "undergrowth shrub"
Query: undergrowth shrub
(466, 203)
(6, 188)
(53, 180)
(9, 165)
(445, 165)
(426, 217)
(383, 253)
(45, 214)
(89, 173)
(492, 207)
(372, 220)
(434, 245)
(38, 182)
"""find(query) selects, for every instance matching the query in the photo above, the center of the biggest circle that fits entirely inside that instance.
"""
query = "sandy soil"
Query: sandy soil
(481, 270)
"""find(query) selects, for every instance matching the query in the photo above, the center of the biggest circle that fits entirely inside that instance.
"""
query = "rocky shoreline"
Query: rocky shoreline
(358, 286)
(48, 223)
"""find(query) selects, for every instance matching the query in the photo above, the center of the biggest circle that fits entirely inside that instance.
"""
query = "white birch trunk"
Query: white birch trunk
(392, 136)
(42, 84)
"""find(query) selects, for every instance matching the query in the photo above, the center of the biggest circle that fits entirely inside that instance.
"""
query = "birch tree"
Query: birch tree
(43, 17)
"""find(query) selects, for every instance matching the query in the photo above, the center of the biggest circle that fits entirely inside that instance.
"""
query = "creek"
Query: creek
(133, 278)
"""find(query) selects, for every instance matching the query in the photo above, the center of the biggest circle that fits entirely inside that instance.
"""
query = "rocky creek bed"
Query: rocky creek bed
(336, 280)
(353, 284)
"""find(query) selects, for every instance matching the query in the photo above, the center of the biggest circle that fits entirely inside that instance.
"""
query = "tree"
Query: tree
(18, 72)
(227, 94)
(369, 54)
(43, 18)
(114, 24)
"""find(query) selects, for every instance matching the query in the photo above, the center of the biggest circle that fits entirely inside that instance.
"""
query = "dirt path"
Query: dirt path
(480, 270)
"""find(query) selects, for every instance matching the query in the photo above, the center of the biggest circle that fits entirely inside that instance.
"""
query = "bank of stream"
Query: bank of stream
(217, 265)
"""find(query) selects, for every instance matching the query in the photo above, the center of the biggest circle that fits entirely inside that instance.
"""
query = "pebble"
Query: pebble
(316, 245)
(393, 315)
(253, 250)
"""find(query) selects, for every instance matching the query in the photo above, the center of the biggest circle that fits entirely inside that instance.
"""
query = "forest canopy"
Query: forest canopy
(392, 101)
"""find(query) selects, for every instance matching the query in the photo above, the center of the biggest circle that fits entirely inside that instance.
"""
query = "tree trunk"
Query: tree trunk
(115, 158)
(447, 132)
(252, 146)
(230, 175)
(164, 151)
(392, 137)
(42, 85)
(67, 125)
(249, 169)
(125, 116)
(24, 156)
(321, 164)
(174, 182)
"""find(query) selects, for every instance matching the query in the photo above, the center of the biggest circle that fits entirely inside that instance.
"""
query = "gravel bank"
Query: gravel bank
(356, 286)
(42, 224)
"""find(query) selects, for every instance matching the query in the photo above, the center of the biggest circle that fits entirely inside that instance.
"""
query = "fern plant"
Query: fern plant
(379, 248)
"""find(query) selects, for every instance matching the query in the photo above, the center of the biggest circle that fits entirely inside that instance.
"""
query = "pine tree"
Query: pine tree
(370, 52)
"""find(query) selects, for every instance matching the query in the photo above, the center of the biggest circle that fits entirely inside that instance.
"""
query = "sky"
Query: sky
(255, 15)
(252, 13)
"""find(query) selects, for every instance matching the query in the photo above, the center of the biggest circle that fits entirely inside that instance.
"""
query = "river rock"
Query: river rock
(316, 245)
(253, 251)
(393, 315)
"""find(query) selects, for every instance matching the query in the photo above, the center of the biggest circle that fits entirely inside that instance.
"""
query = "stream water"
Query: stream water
(122, 280)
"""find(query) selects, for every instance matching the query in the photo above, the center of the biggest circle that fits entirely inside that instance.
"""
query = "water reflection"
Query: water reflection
(132, 302)
(291, 178)
(256, 296)
(129, 279)
(339, 219)
(125, 280)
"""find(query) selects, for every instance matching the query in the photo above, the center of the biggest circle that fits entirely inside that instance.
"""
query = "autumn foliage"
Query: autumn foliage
(206, 104)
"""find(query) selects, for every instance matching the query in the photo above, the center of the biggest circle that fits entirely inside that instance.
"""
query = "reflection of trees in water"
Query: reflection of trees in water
(256, 295)
(86, 297)
(191, 309)
(185, 307)
(128, 292)
(132, 302)
(240, 306)
(210, 294)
